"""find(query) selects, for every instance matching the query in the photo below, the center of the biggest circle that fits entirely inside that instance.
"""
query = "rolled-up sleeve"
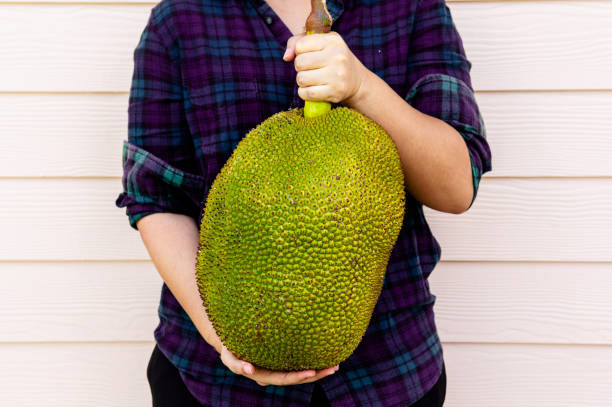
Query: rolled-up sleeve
(440, 84)
(160, 169)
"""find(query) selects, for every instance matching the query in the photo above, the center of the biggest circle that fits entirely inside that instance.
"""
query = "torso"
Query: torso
(292, 13)
(233, 78)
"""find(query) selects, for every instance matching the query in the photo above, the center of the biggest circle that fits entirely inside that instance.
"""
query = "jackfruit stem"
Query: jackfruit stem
(319, 21)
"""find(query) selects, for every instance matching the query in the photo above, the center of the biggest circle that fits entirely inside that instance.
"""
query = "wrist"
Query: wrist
(359, 98)
(208, 333)
(214, 341)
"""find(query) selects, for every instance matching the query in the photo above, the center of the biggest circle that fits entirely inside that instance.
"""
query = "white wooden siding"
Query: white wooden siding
(523, 303)
(520, 124)
(512, 45)
(477, 302)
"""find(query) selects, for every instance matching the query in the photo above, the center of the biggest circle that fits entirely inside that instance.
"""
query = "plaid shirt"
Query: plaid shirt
(205, 73)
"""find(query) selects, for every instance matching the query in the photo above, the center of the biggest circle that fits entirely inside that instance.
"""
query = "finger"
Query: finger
(247, 368)
(321, 374)
(281, 378)
(310, 78)
(234, 364)
(309, 43)
(310, 60)
(229, 360)
(318, 93)
(290, 48)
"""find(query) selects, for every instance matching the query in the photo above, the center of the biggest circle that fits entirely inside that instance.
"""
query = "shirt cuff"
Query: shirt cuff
(151, 185)
(451, 100)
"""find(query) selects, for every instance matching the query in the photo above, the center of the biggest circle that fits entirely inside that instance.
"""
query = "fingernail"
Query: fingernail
(286, 53)
(247, 368)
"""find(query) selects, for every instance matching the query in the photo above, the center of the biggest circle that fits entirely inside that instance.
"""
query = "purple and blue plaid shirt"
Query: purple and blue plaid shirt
(208, 71)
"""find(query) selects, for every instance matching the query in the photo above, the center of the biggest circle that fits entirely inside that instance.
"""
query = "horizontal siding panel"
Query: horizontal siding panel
(542, 134)
(521, 128)
(521, 302)
(74, 219)
(513, 219)
(65, 47)
(62, 135)
(537, 45)
(530, 219)
(75, 375)
(478, 375)
(528, 375)
(78, 301)
(476, 302)
(512, 45)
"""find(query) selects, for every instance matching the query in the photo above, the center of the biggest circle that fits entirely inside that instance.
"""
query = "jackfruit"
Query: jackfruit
(295, 238)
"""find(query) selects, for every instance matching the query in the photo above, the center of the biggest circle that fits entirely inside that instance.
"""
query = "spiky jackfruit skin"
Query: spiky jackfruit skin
(296, 235)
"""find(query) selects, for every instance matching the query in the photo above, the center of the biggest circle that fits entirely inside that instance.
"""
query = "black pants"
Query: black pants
(168, 389)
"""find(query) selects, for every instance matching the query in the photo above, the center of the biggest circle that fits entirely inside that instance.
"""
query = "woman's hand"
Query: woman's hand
(265, 377)
(326, 68)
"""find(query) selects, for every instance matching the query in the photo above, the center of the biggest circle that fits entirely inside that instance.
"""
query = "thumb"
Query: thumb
(290, 50)
(234, 364)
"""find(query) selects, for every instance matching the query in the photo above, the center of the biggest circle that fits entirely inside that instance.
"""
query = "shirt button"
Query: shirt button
(269, 20)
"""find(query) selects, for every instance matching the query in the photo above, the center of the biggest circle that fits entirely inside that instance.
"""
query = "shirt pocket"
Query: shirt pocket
(220, 111)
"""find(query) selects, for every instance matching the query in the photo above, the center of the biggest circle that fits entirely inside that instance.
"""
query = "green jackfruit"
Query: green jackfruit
(296, 235)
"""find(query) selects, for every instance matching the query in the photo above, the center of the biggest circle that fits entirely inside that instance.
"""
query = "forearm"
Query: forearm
(172, 242)
(434, 156)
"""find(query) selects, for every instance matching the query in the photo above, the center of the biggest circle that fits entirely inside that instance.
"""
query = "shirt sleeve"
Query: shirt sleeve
(440, 84)
(159, 163)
